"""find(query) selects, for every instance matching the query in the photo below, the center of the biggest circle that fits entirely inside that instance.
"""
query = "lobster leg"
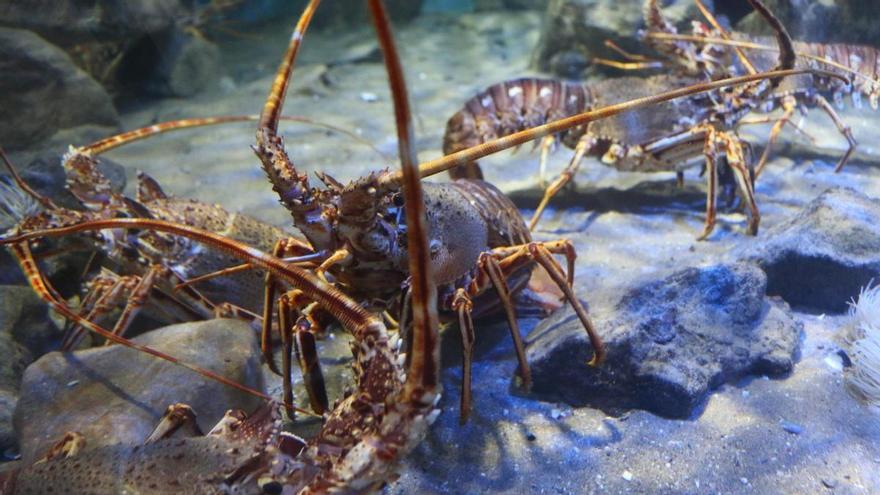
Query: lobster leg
(306, 353)
(745, 178)
(585, 145)
(547, 144)
(542, 253)
(298, 337)
(288, 247)
(489, 265)
(463, 306)
(788, 104)
(176, 417)
(106, 292)
(72, 443)
(710, 150)
(843, 128)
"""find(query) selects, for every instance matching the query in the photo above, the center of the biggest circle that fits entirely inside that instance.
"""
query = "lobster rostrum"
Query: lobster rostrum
(711, 51)
(673, 136)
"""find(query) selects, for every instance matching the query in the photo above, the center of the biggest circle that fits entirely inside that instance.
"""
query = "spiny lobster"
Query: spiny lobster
(713, 51)
(671, 137)
(154, 268)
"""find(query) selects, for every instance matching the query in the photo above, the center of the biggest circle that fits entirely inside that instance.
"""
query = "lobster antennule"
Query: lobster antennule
(423, 375)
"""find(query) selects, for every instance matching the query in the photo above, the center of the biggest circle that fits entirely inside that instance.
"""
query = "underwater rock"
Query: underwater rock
(183, 64)
(823, 255)
(840, 21)
(25, 332)
(117, 395)
(87, 20)
(669, 342)
(583, 26)
(43, 86)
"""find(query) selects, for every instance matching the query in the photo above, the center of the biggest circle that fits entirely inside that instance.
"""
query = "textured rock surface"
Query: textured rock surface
(185, 64)
(117, 395)
(669, 342)
(822, 256)
(42, 85)
(86, 20)
(25, 332)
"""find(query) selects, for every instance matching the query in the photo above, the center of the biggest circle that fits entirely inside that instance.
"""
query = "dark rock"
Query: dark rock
(25, 332)
(116, 395)
(173, 63)
(43, 87)
(669, 342)
(8, 442)
(822, 256)
(87, 20)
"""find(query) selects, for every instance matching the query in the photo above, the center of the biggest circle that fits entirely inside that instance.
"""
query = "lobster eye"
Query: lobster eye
(397, 199)
(272, 488)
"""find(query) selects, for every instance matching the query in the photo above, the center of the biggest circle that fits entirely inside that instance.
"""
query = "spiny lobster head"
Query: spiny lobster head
(370, 219)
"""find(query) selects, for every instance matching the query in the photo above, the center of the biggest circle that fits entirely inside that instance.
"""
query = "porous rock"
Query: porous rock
(669, 342)
(823, 255)
(43, 87)
(117, 395)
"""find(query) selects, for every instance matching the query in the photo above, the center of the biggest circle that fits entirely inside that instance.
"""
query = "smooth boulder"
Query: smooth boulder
(115, 394)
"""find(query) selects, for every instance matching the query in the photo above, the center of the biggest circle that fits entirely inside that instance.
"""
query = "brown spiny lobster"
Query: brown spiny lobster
(712, 51)
(151, 268)
(670, 137)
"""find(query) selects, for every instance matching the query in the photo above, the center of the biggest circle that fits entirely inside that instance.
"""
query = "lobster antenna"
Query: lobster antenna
(482, 150)
(757, 46)
(47, 293)
(19, 181)
(725, 35)
(350, 313)
(786, 48)
(118, 140)
(423, 371)
(275, 100)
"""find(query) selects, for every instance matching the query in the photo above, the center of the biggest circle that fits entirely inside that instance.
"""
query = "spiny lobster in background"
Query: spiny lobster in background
(671, 137)
(712, 51)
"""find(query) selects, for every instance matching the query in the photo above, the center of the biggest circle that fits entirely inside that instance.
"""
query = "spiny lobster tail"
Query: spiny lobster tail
(422, 377)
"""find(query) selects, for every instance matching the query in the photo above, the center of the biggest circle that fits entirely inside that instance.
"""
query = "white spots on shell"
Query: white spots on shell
(547, 91)
(486, 101)
(514, 91)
